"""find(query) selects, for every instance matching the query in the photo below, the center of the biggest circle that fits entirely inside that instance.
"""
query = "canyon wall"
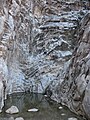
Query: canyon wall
(74, 90)
(37, 38)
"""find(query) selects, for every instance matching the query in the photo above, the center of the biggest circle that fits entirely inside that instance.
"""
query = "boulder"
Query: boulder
(12, 110)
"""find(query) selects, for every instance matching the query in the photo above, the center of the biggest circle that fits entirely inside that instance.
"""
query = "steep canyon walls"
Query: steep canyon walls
(37, 38)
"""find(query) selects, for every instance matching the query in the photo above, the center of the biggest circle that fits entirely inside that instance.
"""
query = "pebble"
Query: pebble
(19, 118)
(45, 95)
(33, 110)
(72, 118)
(60, 107)
(62, 114)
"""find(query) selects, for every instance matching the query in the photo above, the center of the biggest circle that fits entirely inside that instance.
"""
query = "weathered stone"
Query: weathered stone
(72, 118)
(33, 110)
(3, 81)
(74, 90)
(12, 110)
(1, 95)
(19, 118)
(86, 100)
(35, 38)
(60, 107)
(62, 114)
(11, 118)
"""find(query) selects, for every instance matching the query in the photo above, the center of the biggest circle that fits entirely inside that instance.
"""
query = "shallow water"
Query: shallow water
(48, 110)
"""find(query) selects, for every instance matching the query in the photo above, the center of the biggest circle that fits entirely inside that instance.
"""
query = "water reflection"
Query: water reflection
(48, 110)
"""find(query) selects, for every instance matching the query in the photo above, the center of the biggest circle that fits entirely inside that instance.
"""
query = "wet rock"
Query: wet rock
(12, 110)
(19, 118)
(45, 95)
(72, 118)
(33, 110)
(60, 107)
(62, 114)
(11, 118)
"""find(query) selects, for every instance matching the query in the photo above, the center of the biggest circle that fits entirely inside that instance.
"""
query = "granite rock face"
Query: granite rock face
(37, 38)
(74, 91)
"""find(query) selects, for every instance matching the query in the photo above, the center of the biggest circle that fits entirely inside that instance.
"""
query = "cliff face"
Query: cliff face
(13, 33)
(36, 40)
(74, 91)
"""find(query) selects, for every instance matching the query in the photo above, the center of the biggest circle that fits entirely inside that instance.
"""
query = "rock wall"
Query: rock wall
(37, 38)
(74, 91)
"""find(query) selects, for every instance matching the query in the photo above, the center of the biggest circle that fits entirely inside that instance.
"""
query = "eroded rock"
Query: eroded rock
(74, 90)
(37, 40)
(12, 110)
(35, 45)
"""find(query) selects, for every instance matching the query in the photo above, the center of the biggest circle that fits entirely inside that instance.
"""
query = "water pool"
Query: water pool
(48, 109)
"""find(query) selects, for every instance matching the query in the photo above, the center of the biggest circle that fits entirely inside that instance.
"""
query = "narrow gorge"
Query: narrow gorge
(45, 48)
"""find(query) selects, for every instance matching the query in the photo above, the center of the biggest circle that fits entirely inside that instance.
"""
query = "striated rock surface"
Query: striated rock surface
(74, 91)
(37, 38)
